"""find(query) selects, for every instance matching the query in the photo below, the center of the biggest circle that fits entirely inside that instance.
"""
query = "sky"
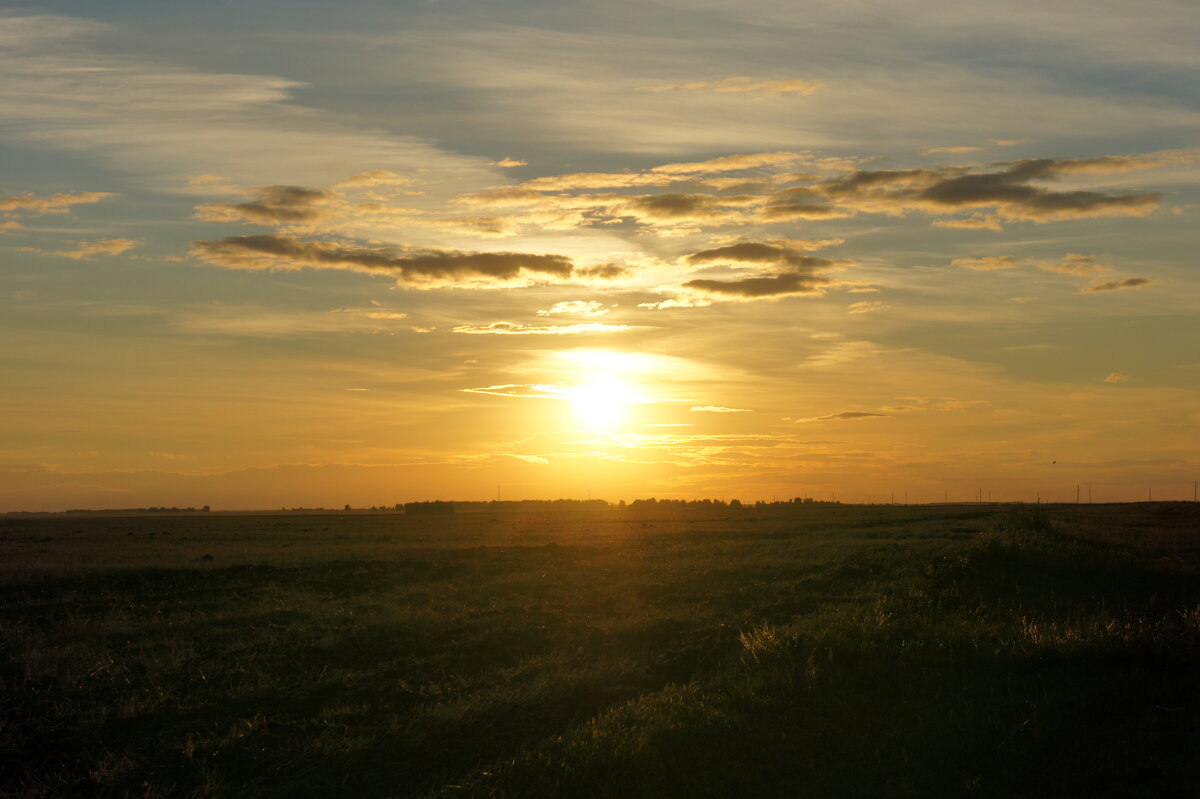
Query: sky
(275, 254)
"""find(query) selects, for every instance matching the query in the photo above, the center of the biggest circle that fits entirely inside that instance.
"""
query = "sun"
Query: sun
(602, 401)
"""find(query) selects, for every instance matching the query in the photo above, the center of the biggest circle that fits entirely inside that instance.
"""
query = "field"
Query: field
(827, 651)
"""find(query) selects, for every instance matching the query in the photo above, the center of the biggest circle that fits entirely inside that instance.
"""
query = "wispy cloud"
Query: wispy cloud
(841, 417)
(86, 249)
(1076, 264)
(517, 329)
(168, 122)
(575, 307)
(740, 85)
(535, 390)
(718, 409)
(52, 204)
(986, 263)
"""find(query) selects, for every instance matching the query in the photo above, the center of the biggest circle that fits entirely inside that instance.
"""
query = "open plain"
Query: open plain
(785, 650)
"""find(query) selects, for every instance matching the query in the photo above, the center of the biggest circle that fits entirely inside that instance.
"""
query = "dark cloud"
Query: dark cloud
(790, 272)
(426, 269)
(602, 271)
(750, 252)
(1009, 190)
(674, 206)
(761, 287)
(269, 205)
(1114, 285)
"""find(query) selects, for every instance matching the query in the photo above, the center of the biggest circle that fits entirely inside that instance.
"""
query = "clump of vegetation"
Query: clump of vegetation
(837, 651)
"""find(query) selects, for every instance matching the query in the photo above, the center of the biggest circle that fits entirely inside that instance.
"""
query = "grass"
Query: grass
(827, 651)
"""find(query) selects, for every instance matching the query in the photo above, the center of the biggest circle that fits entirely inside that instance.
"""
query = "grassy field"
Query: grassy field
(827, 651)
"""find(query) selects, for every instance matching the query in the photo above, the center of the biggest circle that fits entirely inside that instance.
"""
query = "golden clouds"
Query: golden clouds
(1076, 264)
(52, 204)
(516, 329)
(576, 307)
(987, 263)
(86, 249)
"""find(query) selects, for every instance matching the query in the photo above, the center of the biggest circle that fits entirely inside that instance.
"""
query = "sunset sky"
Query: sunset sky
(278, 253)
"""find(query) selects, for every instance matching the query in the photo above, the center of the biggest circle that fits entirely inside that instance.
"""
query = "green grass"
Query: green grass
(826, 651)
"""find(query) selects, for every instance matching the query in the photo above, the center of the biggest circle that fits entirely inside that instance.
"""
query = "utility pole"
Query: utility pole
(1039, 497)
(893, 497)
(1149, 494)
(1077, 495)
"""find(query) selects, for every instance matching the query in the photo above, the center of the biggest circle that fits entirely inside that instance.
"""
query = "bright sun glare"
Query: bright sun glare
(602, 401)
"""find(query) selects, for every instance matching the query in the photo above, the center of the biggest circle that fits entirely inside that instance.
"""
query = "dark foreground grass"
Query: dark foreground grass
(827, 651)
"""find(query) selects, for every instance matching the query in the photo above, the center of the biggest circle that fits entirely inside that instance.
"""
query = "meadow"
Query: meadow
(781, 651)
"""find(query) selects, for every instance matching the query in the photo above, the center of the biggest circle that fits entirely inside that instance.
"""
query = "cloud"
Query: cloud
(602, 271)
(987, 263)
(978, 222)
(578, 307)
(1076, 264)
(1007, 191)
(676, 302)
(53, 204)
(87, 249)
(537, 390)
(866, 307)
(515, 329)
(756, 288)
(507, 162)
(729, 163)
(166, 122)
(718, 409)
(1117, 377)
(952, 149)
(271, 205)
(841, 417)
(675, 208)
(429, 269)
(373, 177)
(663, 175)
(790, 272)
(742, 84)
(1021, 299)
(1115, 285)
(750, 252)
